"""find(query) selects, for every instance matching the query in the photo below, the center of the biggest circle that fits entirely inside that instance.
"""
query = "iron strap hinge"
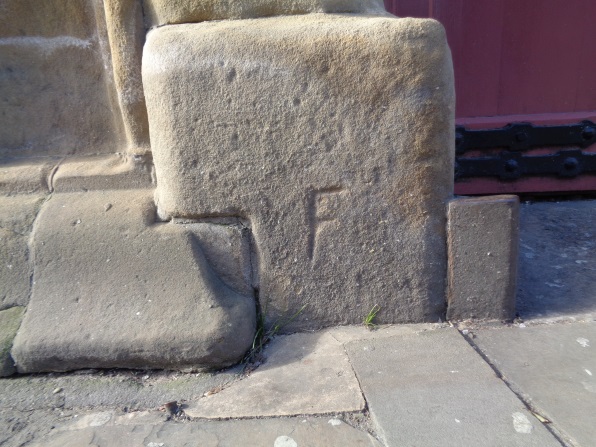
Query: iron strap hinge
(525, 136)
(511, 164)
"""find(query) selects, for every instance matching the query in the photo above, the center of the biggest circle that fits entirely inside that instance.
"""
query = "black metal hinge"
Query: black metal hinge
(515, 138)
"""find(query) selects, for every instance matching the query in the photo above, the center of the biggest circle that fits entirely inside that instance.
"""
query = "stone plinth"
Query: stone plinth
(332, 135)
(112, 288)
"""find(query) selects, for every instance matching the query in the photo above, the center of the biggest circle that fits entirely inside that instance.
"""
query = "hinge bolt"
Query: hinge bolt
(588, 133)
(511, 166)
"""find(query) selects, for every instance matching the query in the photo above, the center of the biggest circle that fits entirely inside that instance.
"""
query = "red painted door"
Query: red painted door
(518, 61)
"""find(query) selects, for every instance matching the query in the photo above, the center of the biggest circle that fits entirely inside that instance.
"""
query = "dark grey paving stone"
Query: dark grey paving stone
(557, 264)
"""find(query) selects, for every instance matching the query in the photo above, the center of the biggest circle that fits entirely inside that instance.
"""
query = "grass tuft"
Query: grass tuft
(263, 335)
(369, 319)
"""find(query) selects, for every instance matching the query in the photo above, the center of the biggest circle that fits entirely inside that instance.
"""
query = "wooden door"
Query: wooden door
(518, 61)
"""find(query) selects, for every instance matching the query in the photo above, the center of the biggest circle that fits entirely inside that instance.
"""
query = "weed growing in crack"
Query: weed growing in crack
(263, 335)
(369, 320)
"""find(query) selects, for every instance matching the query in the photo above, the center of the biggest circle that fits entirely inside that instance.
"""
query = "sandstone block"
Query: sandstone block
(227, 248)
(332, 135)
(102, 172)
(17, 214)
(10, 320)
(164, 12)
(26, 176)
(126, 33)
(112, 288)
(56, 97)
(483, 245)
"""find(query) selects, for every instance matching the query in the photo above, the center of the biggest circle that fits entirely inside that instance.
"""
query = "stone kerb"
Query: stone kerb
(332, 135)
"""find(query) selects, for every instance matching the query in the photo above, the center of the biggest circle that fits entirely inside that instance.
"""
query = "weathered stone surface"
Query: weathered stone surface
(227, 248)
(111, 288)
(10, 320)
(303, 374)
(333, 135)
(28, 176)
(433, 389)
(102, 172)
(56, 97)
(163, 12)
(17, 214)
(483, 238)
(554, 368)
(126, 32)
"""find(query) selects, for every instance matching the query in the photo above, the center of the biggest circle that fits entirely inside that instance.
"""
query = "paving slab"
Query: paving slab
(554, 368)
(123, 389)
(302, 374)
(106, 429)
(557, 267)
(432, 388)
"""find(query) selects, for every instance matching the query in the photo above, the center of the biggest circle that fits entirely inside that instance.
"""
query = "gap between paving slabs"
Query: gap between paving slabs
(469, 330)
(549, 367)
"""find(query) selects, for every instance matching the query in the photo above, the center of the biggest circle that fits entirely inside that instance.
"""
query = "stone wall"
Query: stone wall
(177, 190)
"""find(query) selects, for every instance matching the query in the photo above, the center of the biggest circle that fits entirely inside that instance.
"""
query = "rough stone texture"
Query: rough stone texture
(226, 246)
(10, 320)
(26, 176)
(105, 430)
(333, 135)
(303, 374)
(557, 270)
(483, 238)
(554, 368)
(102, 173)
(433, 389)
(56, 97)
(111, 288)
(126, 31)
(162, 12)
(17, 214)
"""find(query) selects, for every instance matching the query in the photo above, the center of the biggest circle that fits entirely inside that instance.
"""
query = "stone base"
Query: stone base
(113, 288)
(483, 240)
(332, 135)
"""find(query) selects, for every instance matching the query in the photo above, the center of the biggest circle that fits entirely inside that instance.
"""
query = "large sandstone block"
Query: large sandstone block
(333, 135)
(165, 12)
(112, 288)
